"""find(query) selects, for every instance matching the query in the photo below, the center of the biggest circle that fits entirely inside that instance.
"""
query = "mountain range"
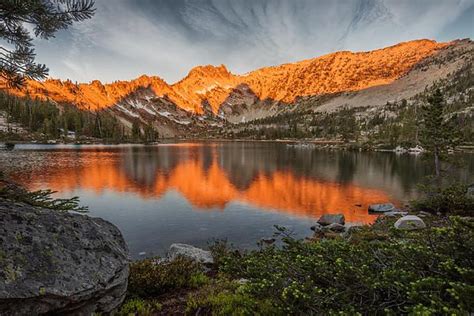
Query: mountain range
(212, 95)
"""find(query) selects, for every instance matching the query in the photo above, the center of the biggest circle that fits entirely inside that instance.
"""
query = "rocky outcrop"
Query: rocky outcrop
(59, 263)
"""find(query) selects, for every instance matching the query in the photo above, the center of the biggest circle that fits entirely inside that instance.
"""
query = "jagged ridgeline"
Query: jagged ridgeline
(397, 122)
(371, 96)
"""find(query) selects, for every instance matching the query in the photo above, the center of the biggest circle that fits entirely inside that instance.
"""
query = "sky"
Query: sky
(167, 38)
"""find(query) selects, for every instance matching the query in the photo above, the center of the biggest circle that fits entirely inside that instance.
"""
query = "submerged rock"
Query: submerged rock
(328, 219)
(382, 208)
(59, 263)
(190, 252)
(410, 222)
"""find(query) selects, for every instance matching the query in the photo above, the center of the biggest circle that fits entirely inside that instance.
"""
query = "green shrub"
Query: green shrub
(197, 280)
(224, 297)
(452, 199)
(425, 271)
(138, 307)
(149, 279)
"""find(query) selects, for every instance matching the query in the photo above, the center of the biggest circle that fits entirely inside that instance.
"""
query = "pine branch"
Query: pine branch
(40, 198)
(46, 17)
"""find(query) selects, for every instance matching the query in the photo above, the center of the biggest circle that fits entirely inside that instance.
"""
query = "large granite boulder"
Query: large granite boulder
(59, 263)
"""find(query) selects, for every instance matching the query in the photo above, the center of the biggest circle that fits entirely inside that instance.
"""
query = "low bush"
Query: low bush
(429, 271)
(150, 279)
(452, 199)
(378, 270)
(137, 306)
(225, 297)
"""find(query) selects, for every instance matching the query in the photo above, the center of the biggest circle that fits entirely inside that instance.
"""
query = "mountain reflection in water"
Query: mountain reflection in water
(209, 176)
(193, 193)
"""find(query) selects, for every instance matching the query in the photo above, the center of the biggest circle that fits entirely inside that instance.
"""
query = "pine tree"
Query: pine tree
(438, 134)
(136, 131)
(46, 17)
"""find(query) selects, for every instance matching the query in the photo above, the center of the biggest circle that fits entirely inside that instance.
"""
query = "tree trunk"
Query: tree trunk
(437, 163)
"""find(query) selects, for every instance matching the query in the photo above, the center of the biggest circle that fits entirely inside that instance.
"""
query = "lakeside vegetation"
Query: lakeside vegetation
(369, 270)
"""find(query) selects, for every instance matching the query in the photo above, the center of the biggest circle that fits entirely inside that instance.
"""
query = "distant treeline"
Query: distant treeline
(47, 120)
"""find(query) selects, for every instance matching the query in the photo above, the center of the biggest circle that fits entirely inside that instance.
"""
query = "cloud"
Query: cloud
(127, 38)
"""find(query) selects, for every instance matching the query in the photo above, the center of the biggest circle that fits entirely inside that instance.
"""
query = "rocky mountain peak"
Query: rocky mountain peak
(332, 73)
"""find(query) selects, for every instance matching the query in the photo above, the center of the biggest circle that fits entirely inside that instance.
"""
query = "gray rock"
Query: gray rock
(267, 241)
(424, 214)
(328, 219)
(59, 263)
(409, 222)
(317, 228)
(382, 208)
(395, 213)
(335, 227)
(190, 252)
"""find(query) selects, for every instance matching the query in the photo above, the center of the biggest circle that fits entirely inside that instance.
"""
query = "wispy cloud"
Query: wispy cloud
(168, 37)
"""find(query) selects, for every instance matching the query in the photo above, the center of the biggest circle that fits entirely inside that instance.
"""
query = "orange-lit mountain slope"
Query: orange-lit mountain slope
(332, 73)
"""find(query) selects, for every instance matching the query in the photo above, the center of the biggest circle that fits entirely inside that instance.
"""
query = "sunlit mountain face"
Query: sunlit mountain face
(212, 86)
(211, 176)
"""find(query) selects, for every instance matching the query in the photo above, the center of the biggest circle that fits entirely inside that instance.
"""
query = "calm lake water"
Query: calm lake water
(195, 192)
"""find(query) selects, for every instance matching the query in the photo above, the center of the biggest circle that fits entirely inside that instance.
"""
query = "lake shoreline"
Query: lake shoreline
(314, 144)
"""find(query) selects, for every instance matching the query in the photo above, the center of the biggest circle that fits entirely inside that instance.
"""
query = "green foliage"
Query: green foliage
(438, 135)
(452, 199)
(150, 279)
(428, 271)
(139, 307)
(136, 131)
(40, 198)
(197, 280)
(224, 297)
